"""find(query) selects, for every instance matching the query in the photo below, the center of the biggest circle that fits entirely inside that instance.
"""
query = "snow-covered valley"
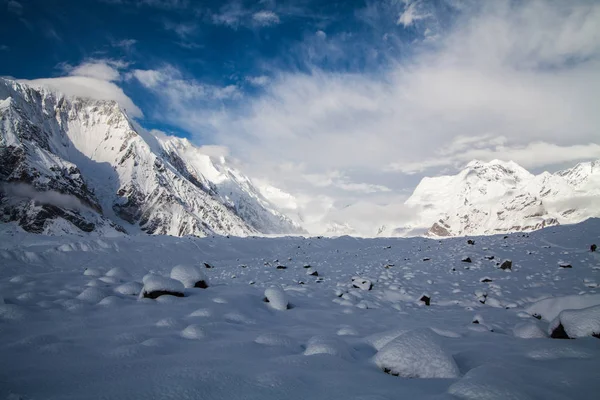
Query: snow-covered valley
(354, 325)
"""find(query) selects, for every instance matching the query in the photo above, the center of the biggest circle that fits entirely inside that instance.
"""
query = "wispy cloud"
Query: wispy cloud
(182, 29)
(235, 14)
(97, 79)
(265, 18)
(14, 7)
(413, 11)
(125, 44)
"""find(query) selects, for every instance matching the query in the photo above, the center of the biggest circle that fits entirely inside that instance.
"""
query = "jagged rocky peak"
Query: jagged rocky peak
(93, 152)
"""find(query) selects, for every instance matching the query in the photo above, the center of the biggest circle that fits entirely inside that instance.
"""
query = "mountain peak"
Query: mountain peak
(90, 150)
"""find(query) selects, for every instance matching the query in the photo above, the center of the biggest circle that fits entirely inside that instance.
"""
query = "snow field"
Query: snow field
(69, 339)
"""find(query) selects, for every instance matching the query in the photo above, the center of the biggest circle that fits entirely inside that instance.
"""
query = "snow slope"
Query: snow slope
(499, 197)
(91, 151)
(73, 327)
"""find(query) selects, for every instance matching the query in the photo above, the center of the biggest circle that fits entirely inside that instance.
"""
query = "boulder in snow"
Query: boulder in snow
(156, 286)
(190, 275)
(276, 299)
(506, 265)
(550, 308)
(466, 259)
(361, 283)
(571, 324)
(417, 354)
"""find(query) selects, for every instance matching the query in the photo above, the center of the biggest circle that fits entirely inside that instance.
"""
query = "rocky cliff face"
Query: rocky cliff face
(80, 165)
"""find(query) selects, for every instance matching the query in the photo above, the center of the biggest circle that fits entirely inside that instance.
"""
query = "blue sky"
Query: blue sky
(341, 103)
(214, 42)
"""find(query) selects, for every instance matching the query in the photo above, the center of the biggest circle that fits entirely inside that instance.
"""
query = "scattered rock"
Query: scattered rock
(425, 299)
(565, 265)
(426, 259)
(559, 333)
(485, 280)
(471, 242)
(307, 266)
(361, 283)
(207, 265)
(466, 259)
(593, 248)
(489, 257)
(281, 267)
(506, 264)
(312, 273)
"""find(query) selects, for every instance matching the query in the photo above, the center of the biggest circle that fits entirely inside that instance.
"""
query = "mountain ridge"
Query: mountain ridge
(501, 197)
(130, 179)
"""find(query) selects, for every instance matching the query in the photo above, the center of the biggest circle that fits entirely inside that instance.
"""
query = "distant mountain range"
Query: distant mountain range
(72, 165)
(76, 165)
(499, 197)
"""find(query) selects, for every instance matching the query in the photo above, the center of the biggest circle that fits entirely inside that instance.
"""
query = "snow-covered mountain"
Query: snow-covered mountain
(75, 164)
(499, 197)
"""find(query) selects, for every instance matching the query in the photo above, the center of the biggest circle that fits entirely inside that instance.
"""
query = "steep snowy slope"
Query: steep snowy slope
(497, 197)
(90, 150)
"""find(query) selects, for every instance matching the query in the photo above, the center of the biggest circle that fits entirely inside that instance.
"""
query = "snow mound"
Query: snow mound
(155, 286)
(577, 323)
(92, 272)
(190, 276)
(379, 340)
(549, 308)
(129, 289)
(118, 273)
(416, 354)
(201, 312)
(194, 332)
(328, 345)
(275, 339)
(276, 298)
(528, 330)
(110, 301)
(92, 295)
(489, 383)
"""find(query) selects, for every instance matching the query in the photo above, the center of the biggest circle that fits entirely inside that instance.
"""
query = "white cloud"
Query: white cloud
(177, 90)
(92, 79)
(261, 80)
(183, 30)
(412, 12)
(126, 44)
(234, 15)
(96, 69)
(265, 18)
